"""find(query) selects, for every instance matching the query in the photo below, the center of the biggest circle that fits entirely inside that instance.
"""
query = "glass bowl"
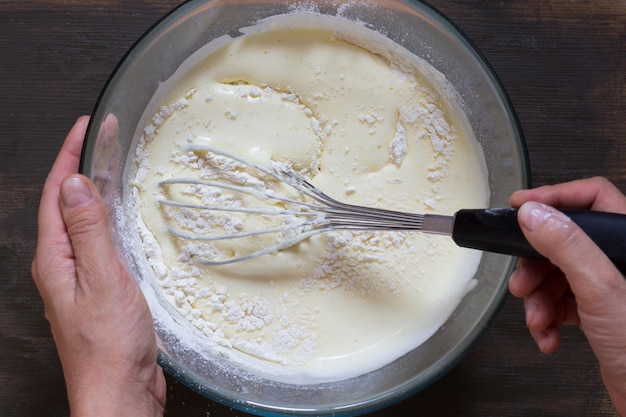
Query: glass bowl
(112, 137)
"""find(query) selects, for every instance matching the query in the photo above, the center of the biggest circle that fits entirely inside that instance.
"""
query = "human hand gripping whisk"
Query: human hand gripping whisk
(305, 211)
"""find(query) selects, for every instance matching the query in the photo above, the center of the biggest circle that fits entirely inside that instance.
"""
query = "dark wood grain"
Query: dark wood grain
(562, 62)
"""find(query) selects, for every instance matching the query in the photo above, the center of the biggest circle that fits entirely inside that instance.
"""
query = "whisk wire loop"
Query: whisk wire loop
(323, 213)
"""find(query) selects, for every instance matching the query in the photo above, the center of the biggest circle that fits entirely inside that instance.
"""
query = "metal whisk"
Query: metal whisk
(492, 230)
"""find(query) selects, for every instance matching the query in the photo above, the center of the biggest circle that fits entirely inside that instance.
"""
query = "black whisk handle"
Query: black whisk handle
(497, 230)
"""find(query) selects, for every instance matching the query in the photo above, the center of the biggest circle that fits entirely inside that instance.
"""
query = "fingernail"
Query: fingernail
(533, 214)
(75, 192)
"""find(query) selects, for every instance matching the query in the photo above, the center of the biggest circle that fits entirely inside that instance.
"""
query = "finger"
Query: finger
(85, 216)
(108, 154)
(51, 225)
(547, 340)
(590, 273)
(541, 305)
(54, 255)
(528, 275)
(592, 193)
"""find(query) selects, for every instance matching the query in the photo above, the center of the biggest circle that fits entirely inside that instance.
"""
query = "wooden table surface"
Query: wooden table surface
(563, 63)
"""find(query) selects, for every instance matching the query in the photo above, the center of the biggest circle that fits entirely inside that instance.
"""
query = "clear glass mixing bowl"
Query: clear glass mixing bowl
(419, 28)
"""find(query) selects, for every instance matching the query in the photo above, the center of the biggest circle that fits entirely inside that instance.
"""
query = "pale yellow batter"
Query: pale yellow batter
(366, 129)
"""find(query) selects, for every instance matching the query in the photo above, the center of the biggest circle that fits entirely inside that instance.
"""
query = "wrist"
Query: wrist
(111, 395)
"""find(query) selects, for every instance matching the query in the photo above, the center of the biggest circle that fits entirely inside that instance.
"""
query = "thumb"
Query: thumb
(86, 220)
(590, 273)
